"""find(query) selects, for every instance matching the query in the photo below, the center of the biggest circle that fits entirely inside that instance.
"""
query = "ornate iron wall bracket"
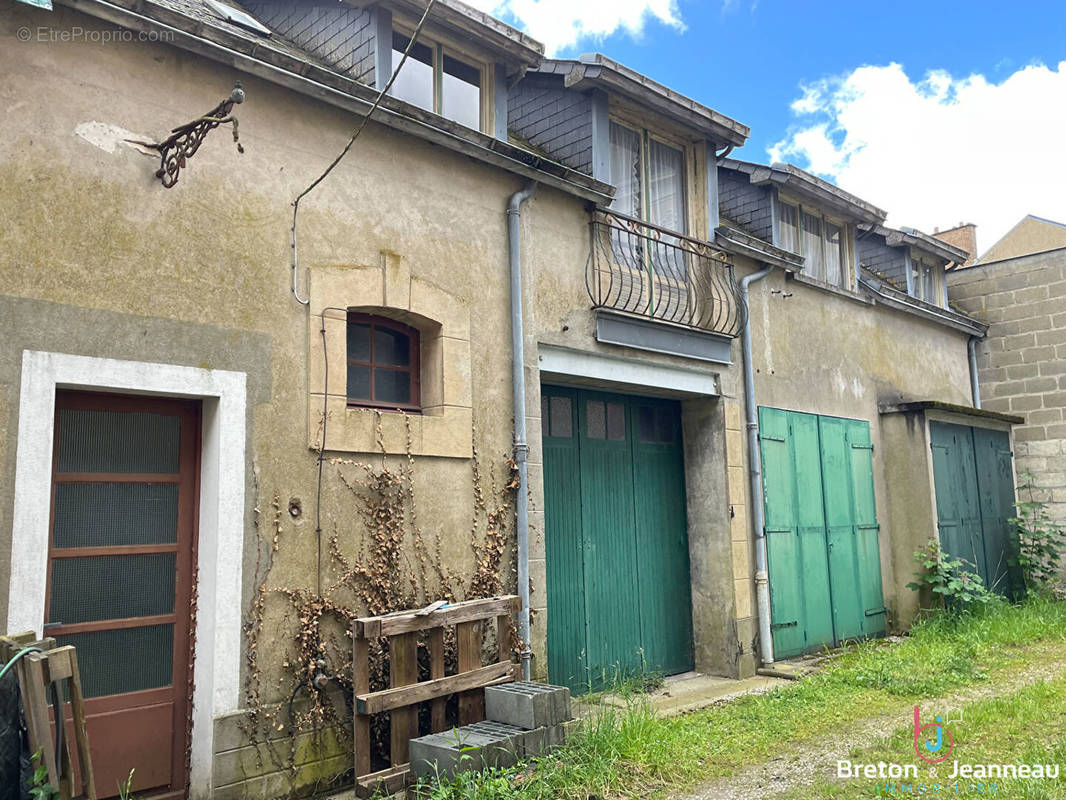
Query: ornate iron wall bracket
(185, 140)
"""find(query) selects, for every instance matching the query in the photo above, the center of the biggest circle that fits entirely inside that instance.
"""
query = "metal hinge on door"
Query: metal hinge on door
(778, 625)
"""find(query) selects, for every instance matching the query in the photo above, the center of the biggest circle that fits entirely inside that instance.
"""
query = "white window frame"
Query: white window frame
(917, 265)
(220, 548)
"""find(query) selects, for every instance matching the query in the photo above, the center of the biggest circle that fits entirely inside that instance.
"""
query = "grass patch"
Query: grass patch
(632, 752)
(1025, 727)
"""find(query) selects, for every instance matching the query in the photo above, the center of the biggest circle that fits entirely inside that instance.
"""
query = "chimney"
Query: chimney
(963, 236)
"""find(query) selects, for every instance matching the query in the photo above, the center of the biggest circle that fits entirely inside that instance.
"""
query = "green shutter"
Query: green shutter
(821, 529)
(974, 480)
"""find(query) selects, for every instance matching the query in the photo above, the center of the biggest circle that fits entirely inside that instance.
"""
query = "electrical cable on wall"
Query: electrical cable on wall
(306, 301)
(347, 147)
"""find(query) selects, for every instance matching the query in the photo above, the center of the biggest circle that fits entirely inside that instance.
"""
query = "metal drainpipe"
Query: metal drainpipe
(518, 382)
(975, 386)
(762, 578)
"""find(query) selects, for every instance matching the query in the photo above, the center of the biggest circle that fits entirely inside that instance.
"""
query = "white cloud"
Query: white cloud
(939, 150)
(560, 24)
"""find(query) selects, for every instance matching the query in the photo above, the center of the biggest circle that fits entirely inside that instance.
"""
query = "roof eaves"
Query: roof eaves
(261, 57)
(739, 242)
(511, 45)
(952, 408)
(912, 237)
(804, 182)
(597, 70)
(892, 297)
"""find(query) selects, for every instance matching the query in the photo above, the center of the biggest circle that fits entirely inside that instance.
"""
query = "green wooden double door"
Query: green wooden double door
(821, 530)
(616, 537)
(974, 479)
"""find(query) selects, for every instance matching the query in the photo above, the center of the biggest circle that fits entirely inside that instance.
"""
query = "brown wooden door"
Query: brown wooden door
(120, 577)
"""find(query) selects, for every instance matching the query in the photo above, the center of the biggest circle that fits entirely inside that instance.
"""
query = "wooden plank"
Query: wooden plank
(403, 671)
(436, 670)
(38, 725)
(471, 703)
(401, 696)
(389, 781)
(361, 684)
(503, 637)
(408, 621)
(81, 736)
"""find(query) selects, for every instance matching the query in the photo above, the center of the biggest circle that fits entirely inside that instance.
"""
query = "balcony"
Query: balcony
(648, 272)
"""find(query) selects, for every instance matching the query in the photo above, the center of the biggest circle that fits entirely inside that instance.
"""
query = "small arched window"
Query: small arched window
(383, 370)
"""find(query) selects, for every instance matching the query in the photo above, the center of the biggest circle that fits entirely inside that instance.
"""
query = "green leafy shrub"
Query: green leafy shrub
(1039, 541)
(952, 579)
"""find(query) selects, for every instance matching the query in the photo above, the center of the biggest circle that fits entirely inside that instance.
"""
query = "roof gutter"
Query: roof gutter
(956, 321)
(559, 176)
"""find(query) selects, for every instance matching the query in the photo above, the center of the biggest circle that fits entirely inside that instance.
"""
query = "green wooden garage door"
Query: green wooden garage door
(821, 530)
(616, 537)
(974, 481)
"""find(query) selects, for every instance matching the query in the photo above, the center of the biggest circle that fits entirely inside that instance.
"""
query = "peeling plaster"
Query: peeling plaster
(110, 137)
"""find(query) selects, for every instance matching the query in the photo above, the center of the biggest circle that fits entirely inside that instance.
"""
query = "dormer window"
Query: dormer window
(439, 80)
(822, 241)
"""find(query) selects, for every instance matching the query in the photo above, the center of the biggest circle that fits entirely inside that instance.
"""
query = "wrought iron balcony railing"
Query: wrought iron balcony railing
(646, 270)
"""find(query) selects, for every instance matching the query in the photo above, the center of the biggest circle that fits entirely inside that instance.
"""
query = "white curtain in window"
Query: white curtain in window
(625, 170)
(788, 228)
(813, 264)
(834, 260)
(666, 186)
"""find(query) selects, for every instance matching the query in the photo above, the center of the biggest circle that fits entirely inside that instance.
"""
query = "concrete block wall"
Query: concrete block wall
(889, 262)
(747, 205)
(243, 771)
(1022, 362)
(553, 119)
(337, 33)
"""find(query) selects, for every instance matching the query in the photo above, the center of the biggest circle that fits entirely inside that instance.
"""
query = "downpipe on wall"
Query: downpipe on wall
(975, 386)
(762, 577)
(518, 385)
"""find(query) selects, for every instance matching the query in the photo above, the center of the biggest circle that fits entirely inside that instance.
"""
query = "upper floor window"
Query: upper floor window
(822, 242)
(649, 177)
(436, 79)
(383, 369)
(925, 283)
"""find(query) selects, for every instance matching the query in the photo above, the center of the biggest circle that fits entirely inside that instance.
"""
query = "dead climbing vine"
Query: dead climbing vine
(393, 568)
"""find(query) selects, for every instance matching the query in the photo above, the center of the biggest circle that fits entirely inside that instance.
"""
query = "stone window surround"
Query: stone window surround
(444, 428)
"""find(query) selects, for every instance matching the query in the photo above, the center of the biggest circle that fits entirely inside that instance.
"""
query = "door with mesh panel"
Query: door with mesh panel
(121, 555)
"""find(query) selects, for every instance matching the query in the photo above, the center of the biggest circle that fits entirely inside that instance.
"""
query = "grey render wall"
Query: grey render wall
(1021, 363)
(749, 206)
(337, 33)
(888, 262)
(553, 119)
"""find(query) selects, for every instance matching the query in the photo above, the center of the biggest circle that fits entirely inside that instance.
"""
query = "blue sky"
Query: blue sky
(748, 59)
(907, 104)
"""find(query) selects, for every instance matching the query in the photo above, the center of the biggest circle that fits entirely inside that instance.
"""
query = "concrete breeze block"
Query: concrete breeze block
(527, 705)
(461, 750)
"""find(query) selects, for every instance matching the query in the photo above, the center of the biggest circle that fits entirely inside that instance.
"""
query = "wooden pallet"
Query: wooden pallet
(36, 673)
(405, 692)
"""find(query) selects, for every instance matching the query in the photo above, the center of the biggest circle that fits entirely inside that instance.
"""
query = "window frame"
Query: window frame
(414, 367)
(846, 246)
(646, 135)
(917, 265)
(441, 47)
